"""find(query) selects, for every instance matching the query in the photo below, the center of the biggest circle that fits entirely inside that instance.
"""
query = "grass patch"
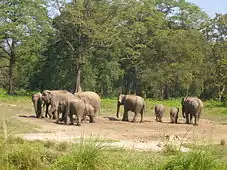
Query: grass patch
(16, 153)
(202, 159)
(82, 156)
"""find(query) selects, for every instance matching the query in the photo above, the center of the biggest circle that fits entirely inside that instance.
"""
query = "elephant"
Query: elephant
(37, 103)
(91, 98)
(81, 110)
(191, 106)
(174, 114)
(59, 102)
(90, 112)
(132, 103)
(159, 112)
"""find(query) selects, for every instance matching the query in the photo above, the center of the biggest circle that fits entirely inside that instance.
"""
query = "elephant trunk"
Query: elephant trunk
(118, 107)
(35, 107)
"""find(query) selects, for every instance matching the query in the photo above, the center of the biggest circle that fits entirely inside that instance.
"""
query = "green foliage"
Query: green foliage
(25, 28)
(163, 48)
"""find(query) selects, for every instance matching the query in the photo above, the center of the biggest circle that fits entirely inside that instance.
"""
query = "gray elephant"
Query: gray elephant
(132, 103)
(59, 102)
(90, 112)
(191, 106)
(91, 98)
(159, 112)
(80, 109)
(174, 114)
(37, 103)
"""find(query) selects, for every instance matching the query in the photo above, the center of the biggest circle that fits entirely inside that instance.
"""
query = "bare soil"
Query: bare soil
(110, 128)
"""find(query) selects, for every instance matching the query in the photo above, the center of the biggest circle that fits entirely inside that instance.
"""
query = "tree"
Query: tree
(24, 29)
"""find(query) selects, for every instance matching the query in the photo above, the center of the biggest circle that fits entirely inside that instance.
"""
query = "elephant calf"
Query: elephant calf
(90, 112)
(174, 114)
(78, 108)
(159, 112)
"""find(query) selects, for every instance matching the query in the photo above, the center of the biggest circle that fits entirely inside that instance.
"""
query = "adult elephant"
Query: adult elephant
(59, 102)
(37, 103)
(132, 103)
(91, 98)
(191, 106)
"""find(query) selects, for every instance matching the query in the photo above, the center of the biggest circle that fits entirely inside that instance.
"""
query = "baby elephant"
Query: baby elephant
(90, 112)
(174, 114)
(159, 112)
(78, 108)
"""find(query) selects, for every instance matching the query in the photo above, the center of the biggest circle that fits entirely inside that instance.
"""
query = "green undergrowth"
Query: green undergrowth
(16, 153)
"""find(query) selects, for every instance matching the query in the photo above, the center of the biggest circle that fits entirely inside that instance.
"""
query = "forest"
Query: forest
(154, 48)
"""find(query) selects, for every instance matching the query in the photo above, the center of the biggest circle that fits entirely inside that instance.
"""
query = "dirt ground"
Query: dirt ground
(110, 128)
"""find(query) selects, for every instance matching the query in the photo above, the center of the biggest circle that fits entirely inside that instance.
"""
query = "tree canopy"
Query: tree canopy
(161, 48)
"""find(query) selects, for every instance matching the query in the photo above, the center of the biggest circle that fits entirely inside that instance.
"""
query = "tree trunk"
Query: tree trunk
(165, 92)
(10, 75)
(77, 85)
(221, 92)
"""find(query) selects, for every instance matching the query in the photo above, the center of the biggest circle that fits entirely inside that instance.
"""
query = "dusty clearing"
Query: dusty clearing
(139, 134)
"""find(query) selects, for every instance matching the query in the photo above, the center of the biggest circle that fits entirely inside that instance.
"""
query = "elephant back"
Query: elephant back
(174, 110)
(91, 98)
(191, 104)
(135, 103)
(159, 108)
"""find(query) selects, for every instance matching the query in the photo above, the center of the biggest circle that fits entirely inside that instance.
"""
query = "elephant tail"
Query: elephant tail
(199, 110)
(144, 108)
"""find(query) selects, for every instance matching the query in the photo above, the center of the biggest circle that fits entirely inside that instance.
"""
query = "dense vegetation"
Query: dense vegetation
(93, 155)
(161, 48)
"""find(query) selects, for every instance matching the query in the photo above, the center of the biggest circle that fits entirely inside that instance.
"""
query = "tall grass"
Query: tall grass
(16, 153)
(85, 155)
(202, 159)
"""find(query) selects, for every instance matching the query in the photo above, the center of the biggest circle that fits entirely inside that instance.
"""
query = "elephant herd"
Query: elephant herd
(191, 107)
(80, 104)
(88, 103)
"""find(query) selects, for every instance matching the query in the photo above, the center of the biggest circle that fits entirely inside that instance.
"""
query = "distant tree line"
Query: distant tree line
(157, 48)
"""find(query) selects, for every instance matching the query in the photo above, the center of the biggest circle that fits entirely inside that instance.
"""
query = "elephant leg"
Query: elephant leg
(176, 119)
(39, 115)
(196, 119)
(71, 119)
(191, 116)
(156, 118)
(141, 120)
(160, 119)
(172, 120)
(135, 117)
(187, 118)
(91, 119)
(125, 115)
(56, 114)
(78, 121)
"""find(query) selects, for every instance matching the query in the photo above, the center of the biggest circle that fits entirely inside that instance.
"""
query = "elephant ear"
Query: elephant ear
(37, 96)
(121, 98)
